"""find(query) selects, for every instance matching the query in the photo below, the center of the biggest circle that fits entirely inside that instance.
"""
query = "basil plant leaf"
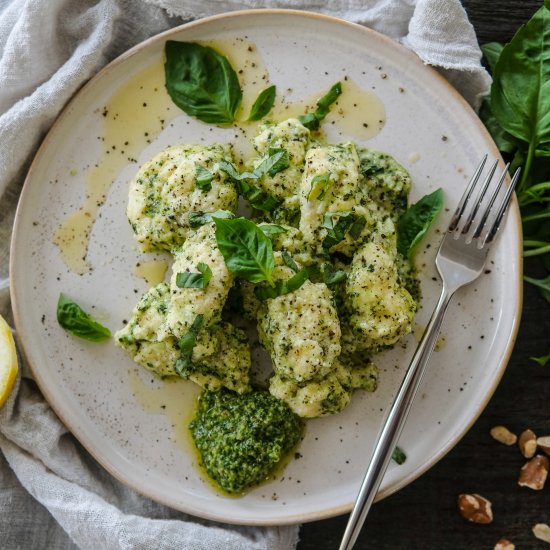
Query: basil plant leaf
(196, 219)
(201, 279)
(201, 82)
(203, 178)
(520, 94)
(281, 288)
(492, 51)
(416, 220)
(75, 320)
(263, 104)
(313, 120)
(289, 261)
(247, 252)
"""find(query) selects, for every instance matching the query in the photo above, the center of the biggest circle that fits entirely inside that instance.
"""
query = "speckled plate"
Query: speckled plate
(136, 426)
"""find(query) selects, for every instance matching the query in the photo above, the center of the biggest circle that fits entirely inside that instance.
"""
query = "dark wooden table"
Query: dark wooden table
(424, 515)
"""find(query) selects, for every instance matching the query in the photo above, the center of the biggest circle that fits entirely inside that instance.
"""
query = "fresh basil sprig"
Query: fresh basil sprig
(313, 120)
(75, 320)
(416, 220)
(187, 343)
(201, 279)
(280, 288)
(247, 251)
(263, 104)
(201, 82)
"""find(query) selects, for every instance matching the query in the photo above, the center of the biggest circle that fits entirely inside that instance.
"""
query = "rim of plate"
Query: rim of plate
(513, 213)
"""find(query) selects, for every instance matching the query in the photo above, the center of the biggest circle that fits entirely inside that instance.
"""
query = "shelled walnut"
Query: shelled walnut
(528, 443)
(475, 508)
(533, 474)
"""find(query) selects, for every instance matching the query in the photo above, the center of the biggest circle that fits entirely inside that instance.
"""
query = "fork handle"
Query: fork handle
(394, 422)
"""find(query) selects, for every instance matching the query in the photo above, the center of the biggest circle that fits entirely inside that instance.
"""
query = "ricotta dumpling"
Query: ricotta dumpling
(301, 332)
(293, 137)
(330, 196)
(380, 308)
(186, 303)
(177, 181)
(220, 356)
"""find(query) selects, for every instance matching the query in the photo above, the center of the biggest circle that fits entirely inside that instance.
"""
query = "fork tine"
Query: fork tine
(502, 210)
(483, 221)
(466, 196)
(480, 198)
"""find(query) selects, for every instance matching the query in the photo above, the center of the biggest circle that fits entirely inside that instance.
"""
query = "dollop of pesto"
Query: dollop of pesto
(242, 438)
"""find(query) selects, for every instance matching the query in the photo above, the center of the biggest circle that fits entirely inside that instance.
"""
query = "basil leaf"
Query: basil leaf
(271, 229)
(201, 82)
(258, 199)
(203, 178)
(188, 279)
(337, 231)
(319, 185)
(520, 93)
(399, 455)
(75, 320)
(492, 51)
(196, 219)
(247, 252)
(186, 344)
(263, 104)
(282, 287)
(289, 261)
(416, 220)
(254, 195)
(504, 141)
(312, 120)
(357, 227)
(275, 162)
(333, 276)
(543, 360)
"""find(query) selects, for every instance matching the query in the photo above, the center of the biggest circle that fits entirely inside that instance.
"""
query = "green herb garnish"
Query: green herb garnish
(416, 220)
(271, 229)
(313, 120)
(319, 185)
(398, 455)
(247, 251)
(187, 343)
(338, 224)
(203, 178)
(201, 279)
(333, 276)
(75, 320)
(196, 219)
(201, 82)
(263, 104)
(280, 288)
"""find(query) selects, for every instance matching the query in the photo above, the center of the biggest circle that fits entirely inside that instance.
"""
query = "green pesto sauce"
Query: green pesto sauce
(242, 438)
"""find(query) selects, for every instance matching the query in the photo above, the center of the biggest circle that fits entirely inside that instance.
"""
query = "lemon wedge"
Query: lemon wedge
(8, 361)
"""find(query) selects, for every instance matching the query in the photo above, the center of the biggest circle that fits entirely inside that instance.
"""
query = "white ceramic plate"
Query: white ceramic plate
(135, 425)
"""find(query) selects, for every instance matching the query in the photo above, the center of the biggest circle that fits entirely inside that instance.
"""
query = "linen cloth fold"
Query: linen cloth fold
(53, 495)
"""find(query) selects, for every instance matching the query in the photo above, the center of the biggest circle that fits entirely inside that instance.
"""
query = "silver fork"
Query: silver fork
(460, 260)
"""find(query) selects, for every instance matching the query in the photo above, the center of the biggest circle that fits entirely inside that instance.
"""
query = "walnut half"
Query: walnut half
(533, 474)
(475, 508)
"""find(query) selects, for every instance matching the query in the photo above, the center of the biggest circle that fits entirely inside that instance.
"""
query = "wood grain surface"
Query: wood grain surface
(424, 515)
